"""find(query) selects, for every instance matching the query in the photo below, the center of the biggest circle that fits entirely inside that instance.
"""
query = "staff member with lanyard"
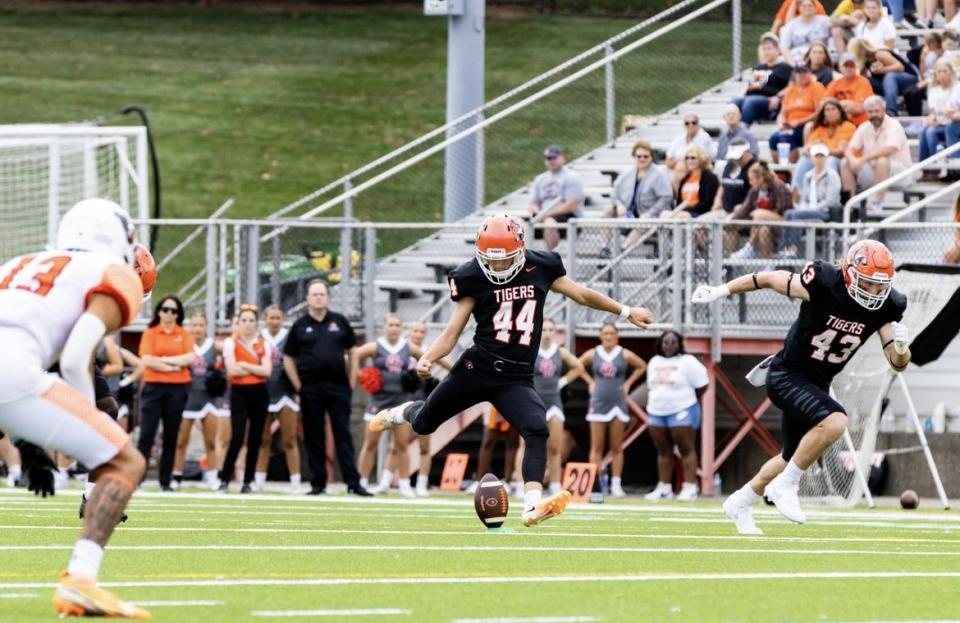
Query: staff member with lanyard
(320, 358)
(166, 350)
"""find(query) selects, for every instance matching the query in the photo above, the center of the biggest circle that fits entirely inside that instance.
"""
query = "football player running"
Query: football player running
(504, 287)
(56, 306)
(842, 307)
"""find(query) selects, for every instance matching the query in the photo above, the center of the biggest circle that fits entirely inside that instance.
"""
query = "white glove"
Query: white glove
(901, 335)
(708, 294)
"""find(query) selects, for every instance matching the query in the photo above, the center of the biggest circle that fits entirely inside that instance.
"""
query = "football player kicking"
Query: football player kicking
(57, 306)
(504, 287)
(842, 308)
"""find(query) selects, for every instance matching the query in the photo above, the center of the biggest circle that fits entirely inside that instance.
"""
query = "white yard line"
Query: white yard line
(19, 595)
(332, 613)
(506, 579)
(159, 603)
(575, 619)
(822, 522)
(490, 548)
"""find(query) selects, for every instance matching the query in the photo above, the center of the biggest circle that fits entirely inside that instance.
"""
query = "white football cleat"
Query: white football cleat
(785, 498)
(659, 495)
(389, 418)
(406, 490)
(741, 516)
(617, 491)
(687, 494)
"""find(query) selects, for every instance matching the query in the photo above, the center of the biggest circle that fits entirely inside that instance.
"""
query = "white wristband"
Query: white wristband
(624, 311)
(724, 290)
(562, 383)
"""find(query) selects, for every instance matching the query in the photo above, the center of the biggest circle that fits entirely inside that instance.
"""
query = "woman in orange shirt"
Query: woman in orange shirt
(831, 127)
(248, 358)
(800, 103)
(166, 351)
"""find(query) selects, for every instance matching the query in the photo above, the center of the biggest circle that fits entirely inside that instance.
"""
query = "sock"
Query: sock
(177, 476)
(422, 481)
(15, 471)
(688, 486)
(664, 487)
(88, 489)
(615, 482)
(240, 476)
(386, 478)
(260, 479)
(295, 480)
(555, 488)
(792, 473)
(530, 498)
(363, 483)
(747, 494)
(404, 484)
(86, 559)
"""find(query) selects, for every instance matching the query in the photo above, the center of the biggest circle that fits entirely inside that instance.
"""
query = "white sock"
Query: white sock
(86, 559)
(240, 476)
(88, 489)
(404, 484)
(615, 482)
(747, 494)
(530, 498)
(363, 483)
(555, 488)
(422, 481)
(792, 473)
(386, 478)
(688, 486)
(295, 480)
(664, 487)
(15, 471)
(260, 479)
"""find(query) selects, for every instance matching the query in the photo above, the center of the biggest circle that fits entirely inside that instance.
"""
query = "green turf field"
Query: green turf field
(204, 557)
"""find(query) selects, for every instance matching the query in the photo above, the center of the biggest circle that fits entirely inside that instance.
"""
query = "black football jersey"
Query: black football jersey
(509, 316)
(832, 325)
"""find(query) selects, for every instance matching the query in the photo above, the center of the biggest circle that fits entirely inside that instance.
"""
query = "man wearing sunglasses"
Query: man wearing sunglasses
(557, 197)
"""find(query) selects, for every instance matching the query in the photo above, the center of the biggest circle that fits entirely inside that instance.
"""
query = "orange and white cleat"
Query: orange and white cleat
(546, 508)
(81, 597)
(388, 418)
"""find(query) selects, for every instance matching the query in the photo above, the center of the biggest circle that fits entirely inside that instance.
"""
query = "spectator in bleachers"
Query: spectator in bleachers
(943, 97)
(801, 31)
(831, 128)
(876, 28)
(734, 181)
(734, 130)
(697, 188)
(850, 89)
(821, 193)
(847, 16)
(770, 76)
(820, 63)
(926, 11)
(693, 135)
(877, 151)
(643, 191)
(951, 48)
(889, 72)
(790, 9)
(557, 196)
(768, 200)
(952, 256)
(800, 103)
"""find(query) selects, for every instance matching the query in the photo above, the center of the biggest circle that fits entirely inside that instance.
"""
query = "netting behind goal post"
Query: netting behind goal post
(45, 169)
(863, 387)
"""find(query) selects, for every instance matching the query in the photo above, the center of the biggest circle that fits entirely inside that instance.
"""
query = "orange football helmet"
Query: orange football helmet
(499, 238)
(868, 263)
(145, 266)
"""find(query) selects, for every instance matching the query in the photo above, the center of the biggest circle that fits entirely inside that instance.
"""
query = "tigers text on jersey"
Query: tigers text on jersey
(46, 293)
(509, 316)
(832, 325)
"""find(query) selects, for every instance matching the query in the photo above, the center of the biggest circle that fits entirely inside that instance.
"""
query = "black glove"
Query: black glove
(38, 466)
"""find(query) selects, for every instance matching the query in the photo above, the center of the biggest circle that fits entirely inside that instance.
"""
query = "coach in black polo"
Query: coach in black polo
(320, 360)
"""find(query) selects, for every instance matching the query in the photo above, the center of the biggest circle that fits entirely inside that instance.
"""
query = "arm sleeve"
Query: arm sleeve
(749, 203)
(535, 192)
(349, 337)
(292, 347)
(621, 188)
(554, 266)
(572, 187)
(696, 372)
(708, 192)
(815, 278)
(459, 284)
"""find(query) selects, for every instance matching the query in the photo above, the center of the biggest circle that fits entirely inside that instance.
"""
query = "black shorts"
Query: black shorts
(563, 218)
(804, 403)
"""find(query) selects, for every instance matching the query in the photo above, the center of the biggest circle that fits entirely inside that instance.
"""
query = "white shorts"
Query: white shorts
(205, 410)
(286, 401)
(555, 412)
(42, 409)
(867, 175)
(615, 412)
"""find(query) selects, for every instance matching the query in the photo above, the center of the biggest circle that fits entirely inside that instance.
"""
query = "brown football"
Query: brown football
(909, 499)
(490, 501)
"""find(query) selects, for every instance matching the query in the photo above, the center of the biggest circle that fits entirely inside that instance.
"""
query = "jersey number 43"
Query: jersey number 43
(35, 276)
(822, 342)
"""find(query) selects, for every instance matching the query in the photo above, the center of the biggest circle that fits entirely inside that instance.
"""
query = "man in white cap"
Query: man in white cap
(734, 130)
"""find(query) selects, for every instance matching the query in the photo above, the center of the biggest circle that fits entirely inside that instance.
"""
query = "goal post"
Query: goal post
(45, 169)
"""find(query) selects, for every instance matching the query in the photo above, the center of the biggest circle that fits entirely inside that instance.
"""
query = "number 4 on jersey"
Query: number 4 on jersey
(504, 322)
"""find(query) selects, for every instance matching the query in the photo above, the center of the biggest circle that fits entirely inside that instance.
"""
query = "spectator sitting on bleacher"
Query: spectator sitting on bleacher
(697, 189)
(818, 58)
(734, 180)
(821, 193)
(850, 89)
(788, 10)
(847, 16)
(800, 103)
(767, 201)
(943, 99)
(734, 130)
(877, 28)
(770, 76)
(878, 150)
(801, 31)
(557, 196)
(951, 48)
(831, 128)
(952, 256)
(644, 191)
(889, 72)
(693, 135)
